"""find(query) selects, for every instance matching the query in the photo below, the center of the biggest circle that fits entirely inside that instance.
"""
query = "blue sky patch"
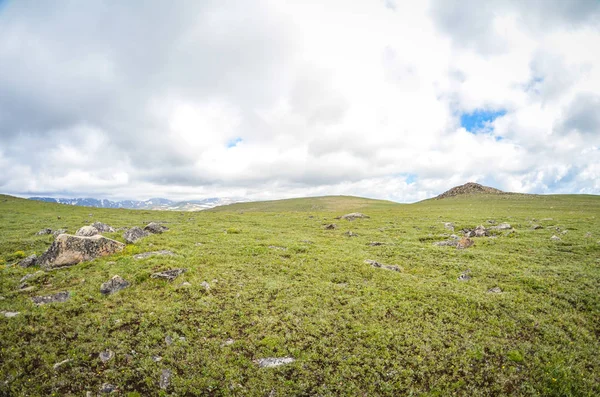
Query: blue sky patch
(234, 142)
(479, 119)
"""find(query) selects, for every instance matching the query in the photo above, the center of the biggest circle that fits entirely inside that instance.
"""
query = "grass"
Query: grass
(282, 285)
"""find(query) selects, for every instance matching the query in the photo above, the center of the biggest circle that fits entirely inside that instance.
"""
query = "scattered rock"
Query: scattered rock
(58, 297)
(271, 362)
(536, 227)
(156, 358)
(446, 243)
(69, 250)
(502, 226)
(31, 260)
(106, 355)
(168, 274)
(30, 276)
(44, 231)
(103, 227)
(153, 253)
(353, 216)
(26, 288)
(155, 228)
(165, 379)
(449, 226)
(10, 314)
(331, 226)
(168, 340)
(113, 285)
(495, 290)
(134, 234)
(107, 388)
(60, 364)
(464, 276)
(58, 232)
(87, 231)
(350, 234)
(555, 238)
(376, 243)
(228, 342)
(205, 285)
(373, 263)
(464, 242)
(185, 284)
(480, 231)
(565, 231)
(491, 221)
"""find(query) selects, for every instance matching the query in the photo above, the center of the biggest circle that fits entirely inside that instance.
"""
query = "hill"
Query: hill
(469, 189)
(268, 283)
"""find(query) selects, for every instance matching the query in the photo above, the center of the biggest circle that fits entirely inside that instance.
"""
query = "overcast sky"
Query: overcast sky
(387, 99)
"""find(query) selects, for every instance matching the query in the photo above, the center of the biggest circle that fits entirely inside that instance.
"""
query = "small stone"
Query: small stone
(228, 342)
(376, 243)
(449, 226)
(155, 228)
(446, 243)
(185, 284)
(107, 388)
(353, 216)
(60, 364)
(376, 264)
(56, 298)
(555, 238)
(331, 226)
(165, 379)
(495, 290)
(565, 231)
(153, 253)
(168, 340)
(58, 232)
(156, 358)
(271, 362)
(113, 285)
(10, 314)
(31, 275)
(502, 226)
(536, 227)
(464, 276)
(31, 260)
(464, 243)
(26, 288)
(44, 231)
(134, 234)
(351, 234)
(169, 274)
(87, 231)
(106, 355)
(205, 285)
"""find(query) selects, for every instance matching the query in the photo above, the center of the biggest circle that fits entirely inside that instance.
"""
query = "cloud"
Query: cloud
(280, 99)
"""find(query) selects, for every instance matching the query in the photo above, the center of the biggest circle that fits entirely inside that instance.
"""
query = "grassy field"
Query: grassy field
(281, 285)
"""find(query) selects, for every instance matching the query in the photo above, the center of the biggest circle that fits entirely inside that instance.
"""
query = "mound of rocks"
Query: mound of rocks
(69, 250)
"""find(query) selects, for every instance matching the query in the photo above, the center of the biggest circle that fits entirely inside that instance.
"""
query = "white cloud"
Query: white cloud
(330, 97)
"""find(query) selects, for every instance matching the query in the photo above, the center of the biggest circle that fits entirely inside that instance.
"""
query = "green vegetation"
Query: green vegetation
(281, 285)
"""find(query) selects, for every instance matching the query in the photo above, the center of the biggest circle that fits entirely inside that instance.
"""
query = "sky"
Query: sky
(389, 99)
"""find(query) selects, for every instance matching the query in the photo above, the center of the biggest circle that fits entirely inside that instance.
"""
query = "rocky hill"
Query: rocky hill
(468, 189)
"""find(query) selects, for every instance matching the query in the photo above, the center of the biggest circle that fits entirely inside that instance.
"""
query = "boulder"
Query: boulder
(134, 234)
(155, 228)
(58, 297)
(87, 231)
(352, 216)
(103, 227)
(113, 285)
(69, 250)
(31, 260)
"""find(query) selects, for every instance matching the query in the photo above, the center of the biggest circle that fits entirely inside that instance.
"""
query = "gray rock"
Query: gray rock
(31, 260)
(449, 226)
(168, 274)
(536, 227)
(69, 250)
(10, 314)
(376, 264)
(165, 379)
(44, 231)
(464, 276)
(349, 233)
(106, 355)
(103, 227)
(480, 231)
(228, 342)
(205, 285)
(60, 364)
(376, 243)
(113, 285)
(30, 276)
(107, 388)
(153, 253)
(156, 358)
(134, 234)
(155, 228)
(87, 231)
(58, 232)
(502, 226)
(353, 216)
(331, 226)
(271, 362)
(555, 238)
(446, 243)
(495, 290)
(185, 284)
(168, 340)
(56, 298)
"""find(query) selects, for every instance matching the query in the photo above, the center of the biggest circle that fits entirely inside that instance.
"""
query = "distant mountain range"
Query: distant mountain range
(151, 204)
